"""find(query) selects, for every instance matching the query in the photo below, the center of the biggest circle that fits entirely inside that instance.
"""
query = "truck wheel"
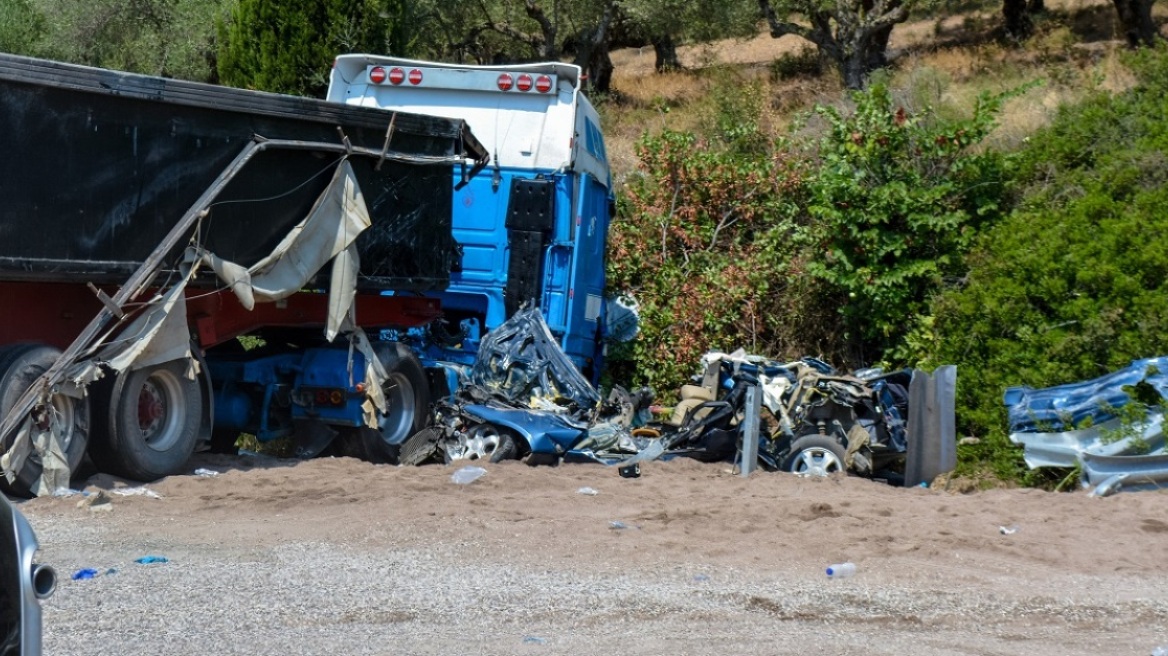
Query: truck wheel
(815, 455)
(152, 423)
(20, 366)
(407, 404)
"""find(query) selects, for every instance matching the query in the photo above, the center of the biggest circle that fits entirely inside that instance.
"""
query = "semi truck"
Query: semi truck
(533, 226)
(146, 224)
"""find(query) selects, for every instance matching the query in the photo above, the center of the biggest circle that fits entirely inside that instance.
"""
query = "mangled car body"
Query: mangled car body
(523, 399)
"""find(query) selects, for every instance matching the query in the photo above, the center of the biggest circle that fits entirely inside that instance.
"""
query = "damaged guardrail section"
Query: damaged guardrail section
(1111, 427)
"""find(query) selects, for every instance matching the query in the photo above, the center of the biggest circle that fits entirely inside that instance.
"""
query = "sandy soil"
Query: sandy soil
(709, 563)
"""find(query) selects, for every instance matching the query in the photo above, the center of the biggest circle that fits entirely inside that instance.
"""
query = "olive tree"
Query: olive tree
(851, 34)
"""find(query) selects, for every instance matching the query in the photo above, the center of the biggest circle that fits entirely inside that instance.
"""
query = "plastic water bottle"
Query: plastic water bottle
(841, 570)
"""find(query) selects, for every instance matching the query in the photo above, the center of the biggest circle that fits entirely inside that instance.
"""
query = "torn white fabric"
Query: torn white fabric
(54, 465)
(375, 374)
(331, 227)
(342, 291)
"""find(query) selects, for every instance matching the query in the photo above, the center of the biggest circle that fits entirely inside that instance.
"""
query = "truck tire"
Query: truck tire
(815, 455)
(20, 366)
(151, 422)
(407, 400)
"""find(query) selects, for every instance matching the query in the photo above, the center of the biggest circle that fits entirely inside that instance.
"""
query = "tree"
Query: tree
(287, 46)
(172, 38)
(852, 34)
(1136, 18)
(21, 26)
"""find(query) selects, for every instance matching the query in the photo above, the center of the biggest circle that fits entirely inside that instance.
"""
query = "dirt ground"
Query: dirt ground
(520, 561)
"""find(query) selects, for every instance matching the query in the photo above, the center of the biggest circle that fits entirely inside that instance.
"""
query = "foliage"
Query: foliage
(699, 244)
(288, 46)
(1075, 283)
(21, 26)
(894, 201)
(173, 38)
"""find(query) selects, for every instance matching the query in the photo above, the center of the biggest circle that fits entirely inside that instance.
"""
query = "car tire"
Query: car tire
(816, 455)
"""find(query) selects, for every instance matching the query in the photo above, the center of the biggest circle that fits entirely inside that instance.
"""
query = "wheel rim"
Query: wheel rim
(64, 418)
(481, 443)
(161, 411)
(817, 461)
(397, 424)
(60, 423)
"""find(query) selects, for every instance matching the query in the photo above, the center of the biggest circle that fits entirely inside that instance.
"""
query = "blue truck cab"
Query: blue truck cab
(532, 226)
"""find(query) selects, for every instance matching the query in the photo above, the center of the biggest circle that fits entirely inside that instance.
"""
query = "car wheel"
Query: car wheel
(815, 455)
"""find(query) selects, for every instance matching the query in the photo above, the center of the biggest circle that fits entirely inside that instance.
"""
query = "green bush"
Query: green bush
(1074, 284)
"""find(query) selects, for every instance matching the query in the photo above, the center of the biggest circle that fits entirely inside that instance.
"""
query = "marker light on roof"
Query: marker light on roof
(505, 82)
(396, 76)
(415, 76)
(377, 75)
(524, 82)
(543, 84)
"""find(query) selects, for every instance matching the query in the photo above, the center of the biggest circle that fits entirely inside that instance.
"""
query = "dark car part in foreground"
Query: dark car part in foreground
(23, 585)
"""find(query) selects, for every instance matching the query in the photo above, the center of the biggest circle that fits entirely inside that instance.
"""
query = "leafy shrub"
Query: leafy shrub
(1074, 284)
(894, 200)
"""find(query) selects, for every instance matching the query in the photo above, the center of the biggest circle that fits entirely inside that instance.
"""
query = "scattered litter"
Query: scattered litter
(150, 560)
(84, 574)
(617, 525)
(588, 491)
(136, 492)
(701, 578)
(1008, 530)
(205, 473)
(841, 570)
(68, 492)
(467, 475)
(1162, 650)
(534, 640)
(96, 502)
(630, 471)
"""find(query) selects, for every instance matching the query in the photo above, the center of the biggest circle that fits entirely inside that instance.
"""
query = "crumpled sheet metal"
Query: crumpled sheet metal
(1064, 449)
(521, 361)
(1139, 472)
(1063, 407)
(1105, 463)
(159, 332)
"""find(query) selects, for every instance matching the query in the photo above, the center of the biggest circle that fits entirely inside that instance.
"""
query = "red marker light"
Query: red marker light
(397, 76)
(505, 82)
(543, 84)
(524, 83)
(415, 76)
(377, 75)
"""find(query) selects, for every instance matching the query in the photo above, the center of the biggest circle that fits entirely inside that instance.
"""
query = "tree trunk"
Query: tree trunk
(600, 69)
(1036, 6)
(853, 68)
(666, 51)
(1016, 17)
(1136, 18)
(878, 48)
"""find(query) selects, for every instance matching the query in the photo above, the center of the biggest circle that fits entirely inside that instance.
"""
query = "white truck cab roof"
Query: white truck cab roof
(529, 116)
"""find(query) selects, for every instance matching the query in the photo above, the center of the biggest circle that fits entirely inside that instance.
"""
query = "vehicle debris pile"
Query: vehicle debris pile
(1112, 426)
(523, 398)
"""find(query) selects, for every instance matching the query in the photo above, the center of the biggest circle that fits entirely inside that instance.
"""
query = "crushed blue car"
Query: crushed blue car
(524, 399)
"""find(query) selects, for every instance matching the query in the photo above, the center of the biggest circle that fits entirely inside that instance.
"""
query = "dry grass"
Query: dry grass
(939, 63)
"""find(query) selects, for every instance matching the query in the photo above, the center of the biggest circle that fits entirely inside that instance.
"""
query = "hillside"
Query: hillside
(942, 62)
